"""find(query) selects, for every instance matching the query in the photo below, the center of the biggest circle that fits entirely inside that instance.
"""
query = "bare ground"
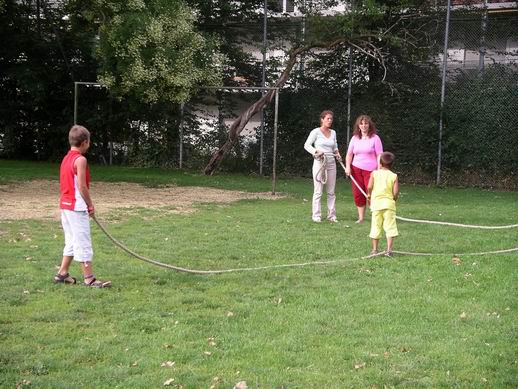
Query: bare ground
(39, 199)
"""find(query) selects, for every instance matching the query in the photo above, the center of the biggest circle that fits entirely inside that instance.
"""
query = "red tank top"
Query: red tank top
(70, 196)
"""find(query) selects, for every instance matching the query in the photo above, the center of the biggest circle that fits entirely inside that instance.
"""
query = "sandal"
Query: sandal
(95, 283)
(64, 279)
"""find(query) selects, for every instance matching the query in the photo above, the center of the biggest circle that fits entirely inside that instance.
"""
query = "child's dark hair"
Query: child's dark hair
(77, 135)
(387, 159)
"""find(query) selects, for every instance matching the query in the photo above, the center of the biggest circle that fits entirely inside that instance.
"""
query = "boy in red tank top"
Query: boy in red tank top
(76, 205)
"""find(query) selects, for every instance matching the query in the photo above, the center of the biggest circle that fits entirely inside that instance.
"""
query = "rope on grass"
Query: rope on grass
(209, 272)
(405, 219)
(270, 267)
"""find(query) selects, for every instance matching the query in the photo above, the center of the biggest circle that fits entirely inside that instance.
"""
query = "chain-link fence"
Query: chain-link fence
(478, 145)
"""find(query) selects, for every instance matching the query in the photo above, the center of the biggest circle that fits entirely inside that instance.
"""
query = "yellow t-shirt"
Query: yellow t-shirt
(382, 196)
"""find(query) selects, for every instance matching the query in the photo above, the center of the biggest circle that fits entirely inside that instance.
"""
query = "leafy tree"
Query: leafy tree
(152, 51)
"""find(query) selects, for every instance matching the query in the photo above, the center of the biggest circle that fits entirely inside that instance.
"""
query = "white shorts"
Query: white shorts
(78, 241)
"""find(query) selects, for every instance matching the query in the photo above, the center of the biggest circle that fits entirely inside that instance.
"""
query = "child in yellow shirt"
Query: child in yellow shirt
(383, 190)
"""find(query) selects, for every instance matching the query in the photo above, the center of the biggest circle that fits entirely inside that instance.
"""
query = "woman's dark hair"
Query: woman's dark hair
(325, 113)
(364, 118)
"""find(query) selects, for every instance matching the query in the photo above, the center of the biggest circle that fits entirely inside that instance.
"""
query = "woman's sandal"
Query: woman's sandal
(95, 283)
(64, 279)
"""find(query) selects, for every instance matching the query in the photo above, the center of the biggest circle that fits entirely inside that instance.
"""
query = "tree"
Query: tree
(151, 50)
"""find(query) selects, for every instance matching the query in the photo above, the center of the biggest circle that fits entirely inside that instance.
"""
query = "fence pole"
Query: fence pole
(349, 90)
(443, 92)
(274, 162)
(482, 49)
(263, 84)
(75, 102)
(180, 130)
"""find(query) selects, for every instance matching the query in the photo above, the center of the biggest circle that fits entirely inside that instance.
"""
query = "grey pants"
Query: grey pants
(319, 186)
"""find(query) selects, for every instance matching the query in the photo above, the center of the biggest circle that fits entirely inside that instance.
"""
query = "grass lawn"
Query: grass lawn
(402, 322)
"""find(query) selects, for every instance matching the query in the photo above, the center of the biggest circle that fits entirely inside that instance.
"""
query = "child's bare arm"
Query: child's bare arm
(395, 189)
(370, 185)
(81, 182)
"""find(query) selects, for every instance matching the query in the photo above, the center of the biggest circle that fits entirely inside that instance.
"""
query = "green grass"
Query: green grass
(290, 328)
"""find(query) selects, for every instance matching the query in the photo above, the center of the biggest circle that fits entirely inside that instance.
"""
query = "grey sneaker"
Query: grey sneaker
(317, 220)
(389, 254)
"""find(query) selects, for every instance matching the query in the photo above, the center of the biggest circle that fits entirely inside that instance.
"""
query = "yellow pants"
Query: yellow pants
(386, 219)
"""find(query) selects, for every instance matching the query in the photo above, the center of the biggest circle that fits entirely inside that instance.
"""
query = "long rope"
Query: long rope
(433, 221)
(281, 266)
(303, 264)
(209, 272)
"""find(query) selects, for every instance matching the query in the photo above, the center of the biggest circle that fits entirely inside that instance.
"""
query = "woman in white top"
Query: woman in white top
(322, 145)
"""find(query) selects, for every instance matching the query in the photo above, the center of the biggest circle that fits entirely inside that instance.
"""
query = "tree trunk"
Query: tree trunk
(239, 124)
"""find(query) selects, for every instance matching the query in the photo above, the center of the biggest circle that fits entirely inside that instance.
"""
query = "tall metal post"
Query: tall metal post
(180, 131)
(443, 92)
(75, 102)
(482, 49)
(349, 88)
(263, 84)
(349, 93)
(274, 162)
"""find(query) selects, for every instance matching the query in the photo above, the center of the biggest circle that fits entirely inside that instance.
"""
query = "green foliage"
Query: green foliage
(150, 50)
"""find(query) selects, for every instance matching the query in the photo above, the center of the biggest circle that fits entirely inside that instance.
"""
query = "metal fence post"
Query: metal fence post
(443, 93)
(274, 162)
(180, 130)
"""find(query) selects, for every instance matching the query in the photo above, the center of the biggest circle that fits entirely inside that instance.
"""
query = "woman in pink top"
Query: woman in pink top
(362, 158)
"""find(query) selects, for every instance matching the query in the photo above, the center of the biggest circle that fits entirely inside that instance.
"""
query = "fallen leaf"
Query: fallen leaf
(360, 365)
(167, 364)
(456, 260)
(23, 383)
(467, 275)
(208, 353)
(404, 349)
(463, 316)
(230, 314)
(167, 345)
(134, 364)
(168, 382)
(241, 385)
(26, 292)
(386, 354)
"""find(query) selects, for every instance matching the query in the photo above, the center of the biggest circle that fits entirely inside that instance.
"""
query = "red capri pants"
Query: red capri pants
(362, 178)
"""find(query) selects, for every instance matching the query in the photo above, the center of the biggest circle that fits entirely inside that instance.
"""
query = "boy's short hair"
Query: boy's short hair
(387, 159)
(77, 135)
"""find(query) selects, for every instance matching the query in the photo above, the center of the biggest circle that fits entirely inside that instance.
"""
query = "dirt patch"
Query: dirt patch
(39, 199)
